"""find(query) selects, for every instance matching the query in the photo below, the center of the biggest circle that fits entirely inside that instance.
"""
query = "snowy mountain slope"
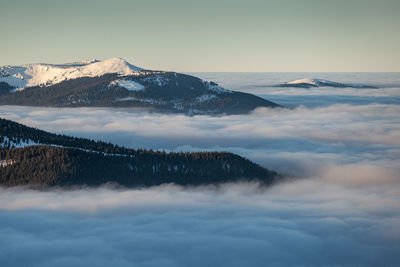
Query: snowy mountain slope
(42, 74)
(312, 82)
(116, 83)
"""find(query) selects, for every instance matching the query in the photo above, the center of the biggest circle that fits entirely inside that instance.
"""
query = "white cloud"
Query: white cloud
(304, 222)
(343, 211)
(319, 142)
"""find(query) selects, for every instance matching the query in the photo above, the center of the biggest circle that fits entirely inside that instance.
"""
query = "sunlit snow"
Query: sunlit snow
(48, 74)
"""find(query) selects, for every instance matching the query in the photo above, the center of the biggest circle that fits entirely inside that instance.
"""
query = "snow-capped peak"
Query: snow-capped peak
(112, 65)
(47, 74)
(307, 81)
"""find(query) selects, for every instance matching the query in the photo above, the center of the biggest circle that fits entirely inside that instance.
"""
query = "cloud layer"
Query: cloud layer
(262, 84)
(302, 223)
(355, 143)
(342, 208)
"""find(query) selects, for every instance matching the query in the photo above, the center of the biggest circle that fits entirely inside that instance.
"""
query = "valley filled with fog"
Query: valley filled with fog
(339, 147)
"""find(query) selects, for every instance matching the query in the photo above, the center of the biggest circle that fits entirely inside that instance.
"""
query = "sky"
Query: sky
(207, 35)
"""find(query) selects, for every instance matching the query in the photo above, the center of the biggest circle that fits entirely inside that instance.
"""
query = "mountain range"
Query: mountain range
(33, 157)
(116, 83)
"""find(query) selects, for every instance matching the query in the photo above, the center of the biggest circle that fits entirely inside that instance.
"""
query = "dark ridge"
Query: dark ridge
(5, 88)
(59, 160)
(164, 91)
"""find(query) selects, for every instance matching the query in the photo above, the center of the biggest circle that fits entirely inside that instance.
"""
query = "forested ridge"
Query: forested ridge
(64, 160)
(163, 91)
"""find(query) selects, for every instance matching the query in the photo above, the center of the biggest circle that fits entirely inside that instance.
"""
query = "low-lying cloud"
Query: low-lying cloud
(264, 85)
(299, 223)
(302, 142)
(342, 208)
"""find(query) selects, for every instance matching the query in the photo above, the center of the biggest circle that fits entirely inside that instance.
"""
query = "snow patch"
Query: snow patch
(178, 106)
(211, 86)
(315, 82)
(18, 76)
(12, 142)
(306, 80)
(205, 98)
(6, 162)
(128, 84)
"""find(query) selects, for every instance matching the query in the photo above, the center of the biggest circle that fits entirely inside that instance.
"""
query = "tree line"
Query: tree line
(64, 160)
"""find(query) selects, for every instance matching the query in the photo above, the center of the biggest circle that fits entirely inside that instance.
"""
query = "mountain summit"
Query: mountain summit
(43, 74)
(116, 83)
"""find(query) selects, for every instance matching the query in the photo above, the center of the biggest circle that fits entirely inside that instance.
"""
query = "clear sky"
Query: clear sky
(206, 35)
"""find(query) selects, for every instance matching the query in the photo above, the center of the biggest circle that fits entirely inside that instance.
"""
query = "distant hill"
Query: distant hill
(309, 83)
(29, 156)
(116, 83)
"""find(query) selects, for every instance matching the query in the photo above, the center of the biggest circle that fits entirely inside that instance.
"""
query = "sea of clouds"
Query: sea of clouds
(341, 209)
(303, 223)
(303, 142)
(264, 85)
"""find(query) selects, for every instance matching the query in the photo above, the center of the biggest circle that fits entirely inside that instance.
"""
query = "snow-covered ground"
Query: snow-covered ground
(48, 74)
(43, 74)
(314, 82)
(22, 143)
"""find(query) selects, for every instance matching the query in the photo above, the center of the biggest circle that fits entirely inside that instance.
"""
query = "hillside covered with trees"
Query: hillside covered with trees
(158, 91)
(29, 156)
